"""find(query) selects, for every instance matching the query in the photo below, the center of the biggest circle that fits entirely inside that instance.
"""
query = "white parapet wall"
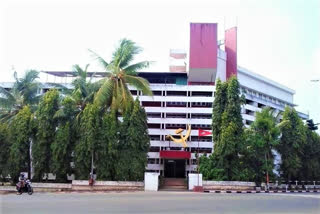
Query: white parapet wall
(228, 185)
(151, 181)
(194, 180)
(108, 185)
(52, 185)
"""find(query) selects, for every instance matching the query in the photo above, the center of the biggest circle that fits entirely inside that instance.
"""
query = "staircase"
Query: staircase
(173, 184)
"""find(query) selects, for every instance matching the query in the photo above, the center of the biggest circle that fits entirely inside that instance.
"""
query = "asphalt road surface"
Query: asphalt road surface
(160, 202)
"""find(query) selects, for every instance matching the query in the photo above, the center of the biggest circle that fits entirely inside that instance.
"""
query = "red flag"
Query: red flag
(204, 133)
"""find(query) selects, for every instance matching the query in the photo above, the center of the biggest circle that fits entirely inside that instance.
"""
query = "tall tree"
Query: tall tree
(133, 144)
(19, 135)
(24, 92)
(209, 168)
(114, 91)
(138, 137)
(310, 159)
(84, 88)
(4, 150)
(108, 147)
(87, 145)
(63, 144)
(124, 147)
(219, 105)
(292, 140)
(261, 138)
(230, 144)
(46, 127)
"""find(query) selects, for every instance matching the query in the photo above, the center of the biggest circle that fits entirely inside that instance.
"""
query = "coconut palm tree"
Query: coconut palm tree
(24, 92)
(114, 92)
(83, 91)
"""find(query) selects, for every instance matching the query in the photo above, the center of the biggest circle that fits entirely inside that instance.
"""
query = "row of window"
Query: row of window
(188, 149)
(161, 161)
(177, 104)
(178, 126)
(177, 93)
(263, 96)
(191, 138)
(179, 115)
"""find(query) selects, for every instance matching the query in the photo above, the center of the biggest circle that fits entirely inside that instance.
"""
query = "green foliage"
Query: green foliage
(108, 148)
(24, 92)
(63, 144)
(291, 143)
(219, 105)
(137, 142)
(87, 145)
(4, 150)
(138, 132)
(209, 169)
(19, 136)
(46, 127)
(84, 90)
(310, 159)
(124, 147)
(229, 135)
(261, 138)
(114, 91)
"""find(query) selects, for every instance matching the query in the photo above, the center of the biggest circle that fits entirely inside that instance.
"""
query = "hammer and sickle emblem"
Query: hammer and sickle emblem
(182, 138)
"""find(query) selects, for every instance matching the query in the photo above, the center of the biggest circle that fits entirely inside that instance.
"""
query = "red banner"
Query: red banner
(204, 133)
(175, 154)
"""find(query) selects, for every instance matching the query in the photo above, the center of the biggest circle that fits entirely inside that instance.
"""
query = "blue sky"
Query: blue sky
(276, 38)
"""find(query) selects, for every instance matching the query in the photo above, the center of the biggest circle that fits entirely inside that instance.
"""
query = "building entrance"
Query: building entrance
(174, 168)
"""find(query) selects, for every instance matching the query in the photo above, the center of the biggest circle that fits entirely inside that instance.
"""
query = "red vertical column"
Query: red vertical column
(203, 45)
(231, 50)
(203, 52)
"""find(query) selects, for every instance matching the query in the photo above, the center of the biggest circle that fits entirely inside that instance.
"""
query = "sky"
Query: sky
(279, 39)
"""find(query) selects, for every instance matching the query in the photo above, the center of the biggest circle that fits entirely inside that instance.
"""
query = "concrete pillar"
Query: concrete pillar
(194, 180)
(151, 181)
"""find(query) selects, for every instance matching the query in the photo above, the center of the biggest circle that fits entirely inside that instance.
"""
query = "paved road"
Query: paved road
(159, 202)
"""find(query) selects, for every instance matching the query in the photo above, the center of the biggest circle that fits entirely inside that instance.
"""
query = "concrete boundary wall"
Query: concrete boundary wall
(52, 185)
(109, 183)
(83, 185)
(228, 185)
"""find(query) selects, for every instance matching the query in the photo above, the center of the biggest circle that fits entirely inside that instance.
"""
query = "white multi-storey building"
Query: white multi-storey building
(182, 98)
(175, 105)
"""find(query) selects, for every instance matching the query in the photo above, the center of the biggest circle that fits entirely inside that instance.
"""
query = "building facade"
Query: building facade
(184, 96)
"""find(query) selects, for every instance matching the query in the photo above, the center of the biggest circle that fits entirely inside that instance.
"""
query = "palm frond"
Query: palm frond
(79, 72)
(5, 93)
(100, 60)
(126, 96)
(132, 69)
(125, 53)
(139, 83)
(30, 76)
(105, 93)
